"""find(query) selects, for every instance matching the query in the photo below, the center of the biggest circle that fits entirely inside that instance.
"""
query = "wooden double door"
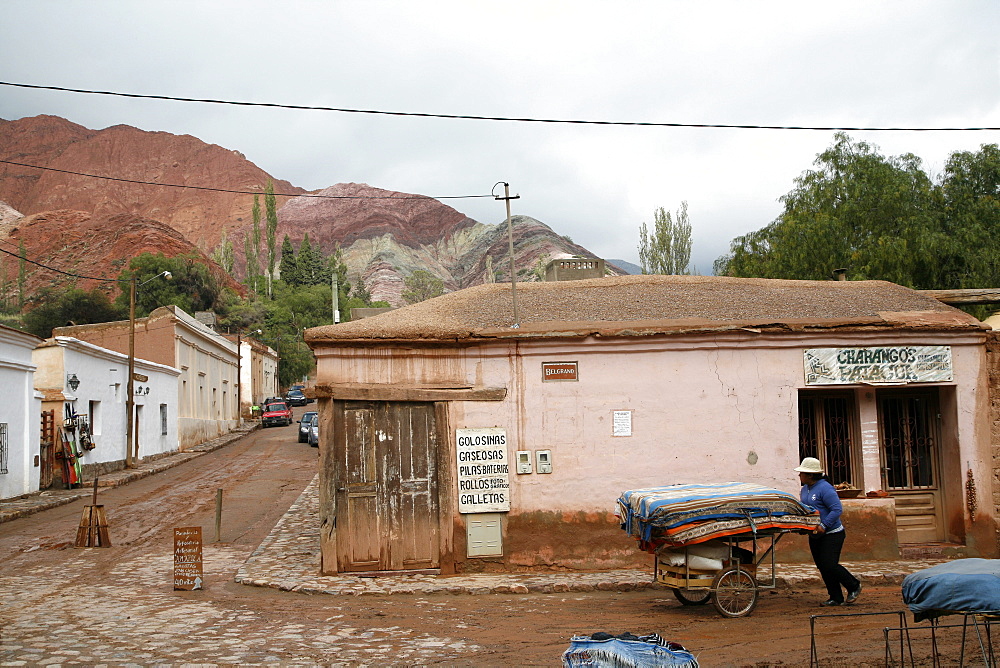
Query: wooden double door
(386, 470)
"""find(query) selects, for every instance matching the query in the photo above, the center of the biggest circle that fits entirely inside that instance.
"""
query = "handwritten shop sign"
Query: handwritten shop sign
(188, 574)
(891, 365)
(559, 371)
(482, 474)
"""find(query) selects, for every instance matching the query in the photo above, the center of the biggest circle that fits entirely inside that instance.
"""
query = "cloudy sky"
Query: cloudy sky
(912, 63)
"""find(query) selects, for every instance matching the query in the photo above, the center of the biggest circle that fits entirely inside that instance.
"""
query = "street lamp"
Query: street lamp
(131, 449)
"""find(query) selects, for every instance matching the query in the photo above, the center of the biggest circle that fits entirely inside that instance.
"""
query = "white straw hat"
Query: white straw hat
(809, 465)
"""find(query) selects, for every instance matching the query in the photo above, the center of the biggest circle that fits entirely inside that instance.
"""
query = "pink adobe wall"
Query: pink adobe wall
(705, 409)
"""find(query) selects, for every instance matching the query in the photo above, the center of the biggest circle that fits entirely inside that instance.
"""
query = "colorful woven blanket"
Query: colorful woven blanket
(687, 514)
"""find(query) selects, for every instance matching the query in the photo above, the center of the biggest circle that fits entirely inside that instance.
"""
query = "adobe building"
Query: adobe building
(454, 442)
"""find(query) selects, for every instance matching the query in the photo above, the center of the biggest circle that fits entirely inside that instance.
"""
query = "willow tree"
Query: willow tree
(857, 209)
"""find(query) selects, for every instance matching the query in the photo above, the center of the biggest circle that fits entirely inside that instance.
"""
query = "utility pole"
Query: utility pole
(510, 239)
(129, 385)
(334, 285)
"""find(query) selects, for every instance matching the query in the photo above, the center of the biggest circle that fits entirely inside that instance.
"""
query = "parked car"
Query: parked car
(276, 413)
(314, 431)
(295, 398)
(304, 424)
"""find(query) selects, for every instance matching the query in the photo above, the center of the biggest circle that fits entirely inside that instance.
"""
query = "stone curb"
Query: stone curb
(12, 509)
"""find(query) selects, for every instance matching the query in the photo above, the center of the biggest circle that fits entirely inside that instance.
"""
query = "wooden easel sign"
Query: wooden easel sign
(187, 558)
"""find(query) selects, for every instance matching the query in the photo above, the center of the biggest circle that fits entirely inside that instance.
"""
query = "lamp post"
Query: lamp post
(131, 449)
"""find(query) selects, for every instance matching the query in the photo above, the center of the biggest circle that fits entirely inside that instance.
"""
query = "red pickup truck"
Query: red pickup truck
(276, 413)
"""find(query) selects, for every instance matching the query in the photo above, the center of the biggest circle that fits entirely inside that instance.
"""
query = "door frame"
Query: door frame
(936, 491)
(332, 491)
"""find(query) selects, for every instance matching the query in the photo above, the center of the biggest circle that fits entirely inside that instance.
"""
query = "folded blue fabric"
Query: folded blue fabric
(585, 652)
(955, 587)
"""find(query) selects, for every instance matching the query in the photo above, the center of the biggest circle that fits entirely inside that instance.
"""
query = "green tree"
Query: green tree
(22, 272)
(191, 286)
(859, 210)
(223, 254)
(70, 306)
(313, 269)
(969, 248)
(421, 285)
(667, 249)
(271, 229)
(289, 267)
(251, 247)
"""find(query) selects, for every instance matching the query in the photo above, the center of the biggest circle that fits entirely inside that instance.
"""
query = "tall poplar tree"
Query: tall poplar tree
(667, 249)
(271, 213)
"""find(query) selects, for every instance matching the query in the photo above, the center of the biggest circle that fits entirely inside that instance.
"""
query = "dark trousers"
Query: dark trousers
(825, 548)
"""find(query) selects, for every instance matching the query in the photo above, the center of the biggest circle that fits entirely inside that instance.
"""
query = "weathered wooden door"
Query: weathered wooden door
(46, 450)
(910, 468)
(386, 471)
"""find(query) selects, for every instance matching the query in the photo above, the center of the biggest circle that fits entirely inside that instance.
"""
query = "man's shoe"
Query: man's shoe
(830, 602)
(852, 596)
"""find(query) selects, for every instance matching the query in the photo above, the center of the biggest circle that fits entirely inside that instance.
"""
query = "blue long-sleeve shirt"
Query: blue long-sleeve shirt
(823, 497)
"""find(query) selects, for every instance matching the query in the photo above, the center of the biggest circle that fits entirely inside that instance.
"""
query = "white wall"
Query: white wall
(103, 381)
(20, 410)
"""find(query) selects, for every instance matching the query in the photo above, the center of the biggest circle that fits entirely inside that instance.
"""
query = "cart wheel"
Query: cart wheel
(735, 593)
(692, 596)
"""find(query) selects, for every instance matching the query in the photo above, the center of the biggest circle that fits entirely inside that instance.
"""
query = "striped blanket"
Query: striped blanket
(687, 514)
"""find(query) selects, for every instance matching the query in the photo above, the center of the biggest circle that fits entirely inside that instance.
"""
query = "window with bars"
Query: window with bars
(3, 448)
(827, 428)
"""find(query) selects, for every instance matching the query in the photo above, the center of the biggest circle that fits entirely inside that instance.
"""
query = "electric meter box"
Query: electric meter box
(524, 461)
(543, 460)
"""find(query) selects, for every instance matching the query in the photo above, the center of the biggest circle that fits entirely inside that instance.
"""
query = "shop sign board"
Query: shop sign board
(892, 365)
(559, 371)
(188, 574)
(482, 472)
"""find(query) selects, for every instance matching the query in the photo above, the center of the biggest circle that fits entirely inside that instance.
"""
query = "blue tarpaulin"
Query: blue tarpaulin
(957, 587)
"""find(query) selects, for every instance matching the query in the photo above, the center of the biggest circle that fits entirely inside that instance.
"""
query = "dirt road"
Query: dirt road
(116, 606)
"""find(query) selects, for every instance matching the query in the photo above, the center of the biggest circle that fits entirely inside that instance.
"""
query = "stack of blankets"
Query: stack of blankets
(688, 514)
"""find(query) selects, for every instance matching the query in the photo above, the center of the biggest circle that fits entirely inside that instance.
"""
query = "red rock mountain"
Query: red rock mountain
(125, 152)
(92, 246)
(385, 235)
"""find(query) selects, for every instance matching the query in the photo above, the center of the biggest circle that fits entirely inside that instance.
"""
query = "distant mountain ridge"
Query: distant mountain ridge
(385, 235)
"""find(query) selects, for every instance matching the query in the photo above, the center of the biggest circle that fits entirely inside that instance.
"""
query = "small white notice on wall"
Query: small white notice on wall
(621, 423)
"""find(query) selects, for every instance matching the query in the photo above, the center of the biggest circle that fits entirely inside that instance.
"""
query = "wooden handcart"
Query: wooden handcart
(735, 588)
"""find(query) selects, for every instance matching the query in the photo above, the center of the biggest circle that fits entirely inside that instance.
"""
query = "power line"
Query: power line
(60, 271)
(237, 192)
(378, 112)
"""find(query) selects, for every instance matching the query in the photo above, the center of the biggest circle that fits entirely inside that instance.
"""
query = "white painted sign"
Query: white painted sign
(482, 473)
(881, 365)
(621, 423)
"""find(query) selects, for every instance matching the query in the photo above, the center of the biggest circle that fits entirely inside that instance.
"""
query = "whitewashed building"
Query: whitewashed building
(19, 414)
(81, 379)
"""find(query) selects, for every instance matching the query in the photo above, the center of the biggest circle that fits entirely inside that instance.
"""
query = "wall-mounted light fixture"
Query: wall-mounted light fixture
(72, 381)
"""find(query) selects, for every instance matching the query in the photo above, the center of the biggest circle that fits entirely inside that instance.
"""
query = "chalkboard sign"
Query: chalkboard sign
(187, 558)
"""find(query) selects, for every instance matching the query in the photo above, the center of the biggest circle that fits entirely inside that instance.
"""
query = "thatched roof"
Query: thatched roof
(645, 305)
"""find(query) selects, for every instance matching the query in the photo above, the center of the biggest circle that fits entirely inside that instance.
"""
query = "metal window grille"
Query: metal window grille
(3, 448)
(163, 419)
(826, 432)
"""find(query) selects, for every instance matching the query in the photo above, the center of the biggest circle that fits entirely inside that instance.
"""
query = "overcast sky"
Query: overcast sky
(912, 63)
